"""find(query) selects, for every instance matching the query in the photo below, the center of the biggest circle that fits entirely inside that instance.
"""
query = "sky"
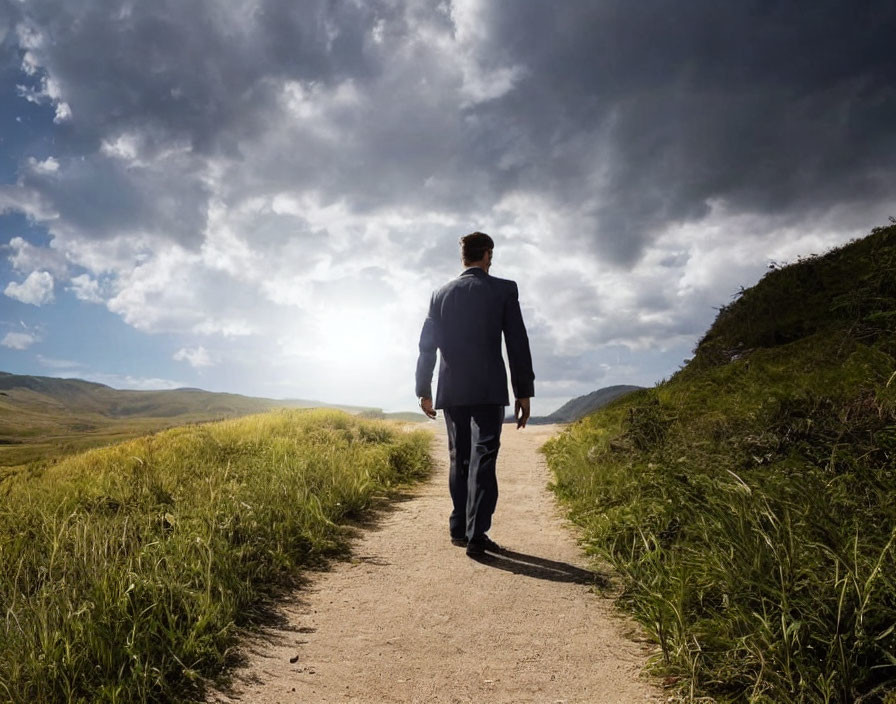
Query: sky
(259, 196)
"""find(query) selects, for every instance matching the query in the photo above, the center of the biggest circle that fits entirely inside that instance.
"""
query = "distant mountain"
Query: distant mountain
(39, 414)
(581, 406)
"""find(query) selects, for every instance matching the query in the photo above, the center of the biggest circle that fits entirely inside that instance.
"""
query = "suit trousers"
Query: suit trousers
(474, 436)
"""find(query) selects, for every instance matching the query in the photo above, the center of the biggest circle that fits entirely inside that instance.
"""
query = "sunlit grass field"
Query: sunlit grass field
(749, 503)
(126, 572)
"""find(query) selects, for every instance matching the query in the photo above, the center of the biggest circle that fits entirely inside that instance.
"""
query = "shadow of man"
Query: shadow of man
(541, 568)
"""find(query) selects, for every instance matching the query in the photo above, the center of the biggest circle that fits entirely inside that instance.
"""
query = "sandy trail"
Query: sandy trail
(411, 618)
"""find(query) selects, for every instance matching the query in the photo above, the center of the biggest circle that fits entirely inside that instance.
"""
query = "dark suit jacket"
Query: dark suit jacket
(466, 318)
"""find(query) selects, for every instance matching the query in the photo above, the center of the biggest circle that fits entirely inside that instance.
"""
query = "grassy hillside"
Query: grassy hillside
(749, 502)
(581, 406)
(48, 395)
(126, 571)
(42, 417)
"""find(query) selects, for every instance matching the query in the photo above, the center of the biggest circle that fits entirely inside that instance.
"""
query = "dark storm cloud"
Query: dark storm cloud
(635, 115)
(770, 107)
(212, 80)
(189, 89)
(103, 197)
(196, 72)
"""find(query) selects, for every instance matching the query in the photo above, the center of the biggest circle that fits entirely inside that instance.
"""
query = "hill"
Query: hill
(581, 406)
(46, 416)
(749, 502)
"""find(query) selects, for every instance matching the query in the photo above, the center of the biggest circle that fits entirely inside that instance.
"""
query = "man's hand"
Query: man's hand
(426, 406)
(521, 412)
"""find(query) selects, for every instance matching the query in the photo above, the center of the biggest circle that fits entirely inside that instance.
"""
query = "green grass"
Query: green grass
(749, 503)
(126, 572)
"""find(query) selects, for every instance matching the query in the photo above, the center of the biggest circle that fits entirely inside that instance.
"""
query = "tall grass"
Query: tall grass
(125, 572)
(749, 502)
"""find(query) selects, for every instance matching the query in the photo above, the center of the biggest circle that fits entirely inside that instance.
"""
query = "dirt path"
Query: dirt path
(412, 619)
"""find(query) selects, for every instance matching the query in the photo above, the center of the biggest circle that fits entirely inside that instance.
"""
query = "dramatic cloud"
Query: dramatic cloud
(287, 181)
(37, 289)
(654, 112)
(26, 257)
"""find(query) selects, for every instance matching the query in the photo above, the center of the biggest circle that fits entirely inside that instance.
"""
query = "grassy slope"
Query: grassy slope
(750, 501)
(125, 571)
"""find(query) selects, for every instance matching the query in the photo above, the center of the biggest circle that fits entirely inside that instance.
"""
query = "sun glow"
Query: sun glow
(350, 339)
(350, 354)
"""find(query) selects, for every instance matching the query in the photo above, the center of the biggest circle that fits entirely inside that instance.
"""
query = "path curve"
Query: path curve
(410, 618)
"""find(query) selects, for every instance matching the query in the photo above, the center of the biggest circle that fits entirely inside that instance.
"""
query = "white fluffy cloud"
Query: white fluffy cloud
(18, 340)
(37, 289)
(196, 357)
(86, 288)
(26, 257)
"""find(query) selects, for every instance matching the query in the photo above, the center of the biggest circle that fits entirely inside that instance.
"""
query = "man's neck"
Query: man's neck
(477, 265)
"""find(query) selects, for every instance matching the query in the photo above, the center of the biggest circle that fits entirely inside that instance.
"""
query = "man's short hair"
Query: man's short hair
(474, 246)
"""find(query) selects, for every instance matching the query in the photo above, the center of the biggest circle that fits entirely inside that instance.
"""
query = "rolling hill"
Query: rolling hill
(47, 416)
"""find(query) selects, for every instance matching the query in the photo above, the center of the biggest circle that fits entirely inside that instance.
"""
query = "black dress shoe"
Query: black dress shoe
(481, 544)
(460, 542)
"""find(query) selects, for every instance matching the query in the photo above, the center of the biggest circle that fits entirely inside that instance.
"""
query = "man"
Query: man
(466, 319)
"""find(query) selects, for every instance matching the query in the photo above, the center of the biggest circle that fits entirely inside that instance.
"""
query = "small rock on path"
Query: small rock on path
(410, 618)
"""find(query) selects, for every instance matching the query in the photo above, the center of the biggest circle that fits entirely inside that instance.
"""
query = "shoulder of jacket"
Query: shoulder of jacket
(447, 286)
(507, 284)
(442, 290)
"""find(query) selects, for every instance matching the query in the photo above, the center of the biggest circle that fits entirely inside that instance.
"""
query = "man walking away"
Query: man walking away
(467, 317)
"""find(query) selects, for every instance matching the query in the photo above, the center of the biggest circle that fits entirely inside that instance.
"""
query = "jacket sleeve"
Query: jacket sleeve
(426, 361)
(522, 378)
